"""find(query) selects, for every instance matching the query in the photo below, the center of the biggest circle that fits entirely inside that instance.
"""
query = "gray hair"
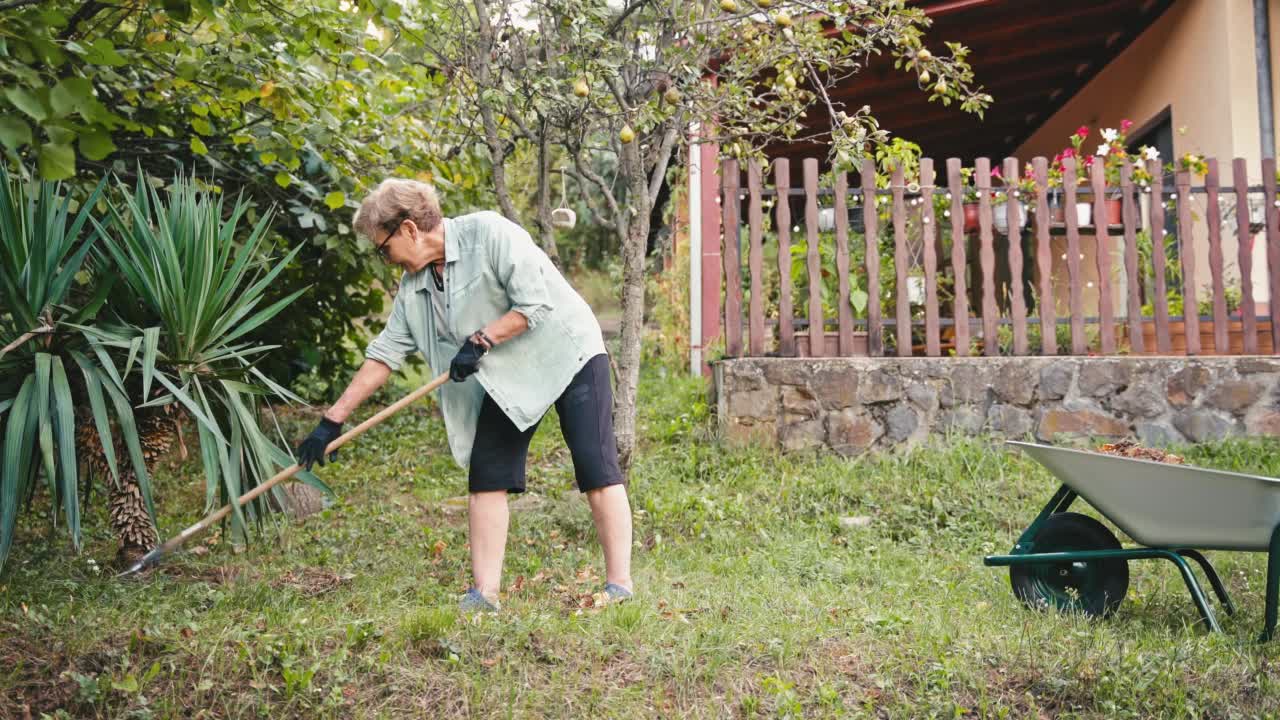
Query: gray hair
(396, 200)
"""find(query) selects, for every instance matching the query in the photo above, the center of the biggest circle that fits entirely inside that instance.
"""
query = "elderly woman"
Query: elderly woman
(477, 296)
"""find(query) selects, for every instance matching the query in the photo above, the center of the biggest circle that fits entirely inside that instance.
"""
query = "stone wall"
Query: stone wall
(851, 405)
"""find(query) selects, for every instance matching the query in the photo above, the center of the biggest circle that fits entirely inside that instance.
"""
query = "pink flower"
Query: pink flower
(1069, 152)
(1082, 131)
(995, 173)
(1125, 125)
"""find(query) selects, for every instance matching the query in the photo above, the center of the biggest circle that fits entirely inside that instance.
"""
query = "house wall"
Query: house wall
(1197, 60)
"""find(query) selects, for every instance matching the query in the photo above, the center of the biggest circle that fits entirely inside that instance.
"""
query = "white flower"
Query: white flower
(1110, 134)
(1103, 149)
(1150, 153)
(279, 47)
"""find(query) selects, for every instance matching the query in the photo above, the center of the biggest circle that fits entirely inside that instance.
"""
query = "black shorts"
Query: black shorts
(500, 451)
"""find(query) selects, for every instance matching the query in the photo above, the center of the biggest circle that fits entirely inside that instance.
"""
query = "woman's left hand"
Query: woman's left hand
(467, 361)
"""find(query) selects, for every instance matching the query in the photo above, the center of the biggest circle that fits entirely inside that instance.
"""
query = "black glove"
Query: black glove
(467, 361)
(312, 449)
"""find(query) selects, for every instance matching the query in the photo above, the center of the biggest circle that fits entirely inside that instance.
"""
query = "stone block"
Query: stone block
(1010, 420)
(1184, 385)
(1015, 383)
(802, 435)
(754, 404)
(1201, 425)
(1079, 422)
(879, 386)
(1103, 377)
(901, 421)
(851, 433)
(1233, 395)
(1055, 379)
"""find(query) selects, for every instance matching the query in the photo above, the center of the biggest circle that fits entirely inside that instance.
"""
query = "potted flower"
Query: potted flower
(1020, 188)
(1057, 179)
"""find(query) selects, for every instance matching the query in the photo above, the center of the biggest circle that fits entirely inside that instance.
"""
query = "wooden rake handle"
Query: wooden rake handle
(216, 516)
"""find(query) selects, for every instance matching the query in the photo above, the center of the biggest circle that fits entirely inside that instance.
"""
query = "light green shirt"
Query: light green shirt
(492, 266)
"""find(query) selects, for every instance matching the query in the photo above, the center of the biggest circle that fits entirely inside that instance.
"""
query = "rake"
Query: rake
(177, 541)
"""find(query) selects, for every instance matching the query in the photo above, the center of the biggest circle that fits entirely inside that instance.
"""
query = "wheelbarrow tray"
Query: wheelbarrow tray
(1171, 511)
(1166, 505)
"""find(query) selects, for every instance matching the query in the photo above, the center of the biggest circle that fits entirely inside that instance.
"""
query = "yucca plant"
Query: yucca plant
(47, 370)
(189, 292)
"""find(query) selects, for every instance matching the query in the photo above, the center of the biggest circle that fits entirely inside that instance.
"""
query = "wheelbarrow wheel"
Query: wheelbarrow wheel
(1093, 587)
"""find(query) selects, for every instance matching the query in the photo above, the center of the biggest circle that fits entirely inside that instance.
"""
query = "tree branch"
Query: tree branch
(626, 13)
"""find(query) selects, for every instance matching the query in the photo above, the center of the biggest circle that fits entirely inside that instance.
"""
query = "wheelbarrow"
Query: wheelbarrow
(1073, 562)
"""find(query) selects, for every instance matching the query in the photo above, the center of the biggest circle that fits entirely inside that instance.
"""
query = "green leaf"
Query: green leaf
(73, 94)
(93, 387)
(96, 144)
(335, 199)
(151, 341)
(267, 158)
(57, 162)
(201, 126)
(198, 147)
(15, 465)
(28, 102)
(283, 179)
(65, 424)
(14, 132)
(102, 52)
(129, 684)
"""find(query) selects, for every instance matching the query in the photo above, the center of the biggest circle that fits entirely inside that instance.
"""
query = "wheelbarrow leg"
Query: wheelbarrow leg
(1218, 588)
(1193, 586)
(1273, 586)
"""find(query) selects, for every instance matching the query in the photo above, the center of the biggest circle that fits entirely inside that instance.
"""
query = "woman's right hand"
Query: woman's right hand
(312, 449)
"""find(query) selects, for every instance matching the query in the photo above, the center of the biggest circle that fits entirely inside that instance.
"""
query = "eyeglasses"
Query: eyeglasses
(397, 223)
(382, 249)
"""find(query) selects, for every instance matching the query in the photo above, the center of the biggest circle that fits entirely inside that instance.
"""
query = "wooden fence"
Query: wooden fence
(979, 280)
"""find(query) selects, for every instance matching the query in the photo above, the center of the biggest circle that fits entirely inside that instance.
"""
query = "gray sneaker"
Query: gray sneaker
(616, 592)
(474, 601)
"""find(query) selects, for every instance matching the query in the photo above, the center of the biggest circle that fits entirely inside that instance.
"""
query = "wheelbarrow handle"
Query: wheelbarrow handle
(178, 540)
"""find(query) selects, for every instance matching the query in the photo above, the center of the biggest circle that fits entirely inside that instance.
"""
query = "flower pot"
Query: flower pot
(1084, 214)
(1178, 337)
(970, 217)
(1000, 218)
(832, 340)
(1115, 211)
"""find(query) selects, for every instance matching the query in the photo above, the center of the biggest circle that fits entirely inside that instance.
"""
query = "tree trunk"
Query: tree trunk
(127, 509)
(635, 234)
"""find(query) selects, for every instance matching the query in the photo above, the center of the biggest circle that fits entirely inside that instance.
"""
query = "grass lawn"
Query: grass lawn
(754, 598)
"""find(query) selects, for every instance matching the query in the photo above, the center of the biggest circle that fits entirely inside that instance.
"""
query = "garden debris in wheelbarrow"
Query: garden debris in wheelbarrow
(1131, 449)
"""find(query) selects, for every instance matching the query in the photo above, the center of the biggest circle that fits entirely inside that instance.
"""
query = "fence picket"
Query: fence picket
(987, 258)
(1078, 344)
(1044, 261)
(755, 223)
(932, 344)
(1014, 210)
(782, 215)
(1213, 218)
(1190, 312)
(1248, 310)
(1155, 219)
(1273, 246)
(842, 262)
(1102, 256)
(960, 312)
(732, 260)
(1134, 294)
(901, 302)
(875, 331)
